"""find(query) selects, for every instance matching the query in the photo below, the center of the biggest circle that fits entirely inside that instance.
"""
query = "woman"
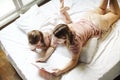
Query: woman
(43, 39)
(93, 24)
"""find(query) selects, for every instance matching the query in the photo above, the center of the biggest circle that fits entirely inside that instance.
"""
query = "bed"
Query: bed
(104, 65)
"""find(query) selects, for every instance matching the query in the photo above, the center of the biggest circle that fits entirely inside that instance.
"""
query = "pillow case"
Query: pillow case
(89, 50)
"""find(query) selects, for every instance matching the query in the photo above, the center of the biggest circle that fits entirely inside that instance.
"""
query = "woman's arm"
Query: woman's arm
(69, 66)
(75, 52)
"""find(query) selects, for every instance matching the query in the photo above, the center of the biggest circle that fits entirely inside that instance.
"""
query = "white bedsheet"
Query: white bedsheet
(14, 42)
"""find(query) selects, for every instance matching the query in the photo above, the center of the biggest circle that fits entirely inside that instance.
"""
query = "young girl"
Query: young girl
(44, 40)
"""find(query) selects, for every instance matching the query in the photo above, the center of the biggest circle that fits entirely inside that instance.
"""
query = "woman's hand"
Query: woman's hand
(48, 75)
(56, 72)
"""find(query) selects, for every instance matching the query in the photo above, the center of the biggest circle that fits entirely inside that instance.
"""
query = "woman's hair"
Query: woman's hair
(34, 36)
(63, 31)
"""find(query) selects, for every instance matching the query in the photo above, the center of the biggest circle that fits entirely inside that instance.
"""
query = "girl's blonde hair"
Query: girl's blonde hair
(34, 36)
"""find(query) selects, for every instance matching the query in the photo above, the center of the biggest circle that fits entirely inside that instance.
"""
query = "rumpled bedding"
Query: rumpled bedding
(13, 40)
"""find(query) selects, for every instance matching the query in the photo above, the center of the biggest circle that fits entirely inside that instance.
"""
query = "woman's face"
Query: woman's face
(60, 40)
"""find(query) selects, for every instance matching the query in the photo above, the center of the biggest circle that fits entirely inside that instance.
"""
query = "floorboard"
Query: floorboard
(7, 72)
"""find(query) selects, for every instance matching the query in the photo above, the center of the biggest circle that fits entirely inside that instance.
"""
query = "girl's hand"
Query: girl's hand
(40, 60)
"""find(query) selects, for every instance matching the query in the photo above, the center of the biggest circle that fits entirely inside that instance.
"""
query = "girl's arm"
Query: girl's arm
(33, 48)
(47, 53)
(49, 50)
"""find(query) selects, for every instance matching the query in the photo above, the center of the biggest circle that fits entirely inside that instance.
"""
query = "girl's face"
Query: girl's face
(39, 44)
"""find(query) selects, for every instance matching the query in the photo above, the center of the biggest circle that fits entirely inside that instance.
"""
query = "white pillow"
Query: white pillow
(38, 17)
(89, 50)
(27, 21)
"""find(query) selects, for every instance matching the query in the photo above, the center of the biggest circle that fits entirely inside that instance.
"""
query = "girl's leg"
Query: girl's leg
(64, 12)
(62, 3)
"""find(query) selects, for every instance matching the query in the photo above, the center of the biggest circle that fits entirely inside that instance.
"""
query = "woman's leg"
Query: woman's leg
(114, 7)
(114, 14)
(102, 9)
(103, 6)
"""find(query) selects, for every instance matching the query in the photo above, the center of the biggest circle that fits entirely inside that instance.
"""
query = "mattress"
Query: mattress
(13, 40)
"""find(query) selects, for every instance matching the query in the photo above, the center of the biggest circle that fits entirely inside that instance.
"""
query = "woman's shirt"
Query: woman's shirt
(83, 30)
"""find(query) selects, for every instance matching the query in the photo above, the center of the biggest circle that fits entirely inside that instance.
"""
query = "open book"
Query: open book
(45, 71)
(45, 66)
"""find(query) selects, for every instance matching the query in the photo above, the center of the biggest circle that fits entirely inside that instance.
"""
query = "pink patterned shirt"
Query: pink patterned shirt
(83, 31)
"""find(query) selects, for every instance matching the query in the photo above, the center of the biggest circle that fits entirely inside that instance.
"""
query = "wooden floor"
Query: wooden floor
(7, 72)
